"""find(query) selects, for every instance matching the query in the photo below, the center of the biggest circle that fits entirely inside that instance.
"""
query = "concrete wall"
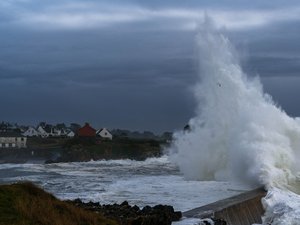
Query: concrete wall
(243, 209)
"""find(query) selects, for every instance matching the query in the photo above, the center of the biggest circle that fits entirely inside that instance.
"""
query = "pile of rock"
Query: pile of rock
(213, 221)
(133, 215)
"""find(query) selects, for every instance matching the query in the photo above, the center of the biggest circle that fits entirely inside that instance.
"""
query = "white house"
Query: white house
(63, 132)
(42, 132)
(11, 139)
(104, 133)
(54, 132)
(31, 132)
(70, 134)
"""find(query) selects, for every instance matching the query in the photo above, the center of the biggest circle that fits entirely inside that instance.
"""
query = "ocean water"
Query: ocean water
(150, 182)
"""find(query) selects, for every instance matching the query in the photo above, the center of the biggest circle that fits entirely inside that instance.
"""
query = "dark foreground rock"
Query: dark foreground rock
(215, 221)
(219, 222)
(133, 215)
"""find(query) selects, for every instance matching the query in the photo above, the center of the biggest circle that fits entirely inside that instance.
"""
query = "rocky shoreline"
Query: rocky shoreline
(26, 203)
(133, 215)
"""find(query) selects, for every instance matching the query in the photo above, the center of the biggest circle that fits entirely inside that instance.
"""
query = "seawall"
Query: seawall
(242, 209)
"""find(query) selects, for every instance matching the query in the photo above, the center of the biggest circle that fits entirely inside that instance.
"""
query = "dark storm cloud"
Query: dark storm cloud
(80, 14)
(284, 92)
(113, 80)
(232, 4)
(272, 51)
(64, 56)
(275, 66)
(129, 64)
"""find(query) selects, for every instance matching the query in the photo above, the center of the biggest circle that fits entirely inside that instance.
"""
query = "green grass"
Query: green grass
(26, 204)
(8, 212)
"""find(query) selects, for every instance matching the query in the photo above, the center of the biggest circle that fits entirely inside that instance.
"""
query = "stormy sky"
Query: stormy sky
(132, 63)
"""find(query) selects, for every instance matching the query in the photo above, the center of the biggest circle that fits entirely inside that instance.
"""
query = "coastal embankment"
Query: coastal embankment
(55, 150)
(242, 209)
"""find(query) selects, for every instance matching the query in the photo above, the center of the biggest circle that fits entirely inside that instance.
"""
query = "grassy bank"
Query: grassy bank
(26, 204)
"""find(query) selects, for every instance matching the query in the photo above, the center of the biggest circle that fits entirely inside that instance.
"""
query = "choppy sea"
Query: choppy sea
(150, 182)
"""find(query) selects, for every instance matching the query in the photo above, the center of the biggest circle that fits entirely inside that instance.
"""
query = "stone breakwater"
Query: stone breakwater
(133, 215)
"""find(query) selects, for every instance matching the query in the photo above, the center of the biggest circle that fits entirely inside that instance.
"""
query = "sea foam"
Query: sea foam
(238, 132)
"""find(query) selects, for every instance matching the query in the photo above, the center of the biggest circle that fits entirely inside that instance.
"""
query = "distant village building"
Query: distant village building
(74, 127)
(86, 131)
(48, 130)
(12, 139)
(53, 132)
(42, 132)
(64, 132)
(104, 133)
(70, 134)
(31, 132)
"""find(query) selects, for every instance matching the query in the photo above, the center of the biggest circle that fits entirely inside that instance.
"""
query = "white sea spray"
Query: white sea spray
(238, 132)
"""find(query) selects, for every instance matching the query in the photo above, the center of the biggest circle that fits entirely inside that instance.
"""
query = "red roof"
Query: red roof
(86, 131)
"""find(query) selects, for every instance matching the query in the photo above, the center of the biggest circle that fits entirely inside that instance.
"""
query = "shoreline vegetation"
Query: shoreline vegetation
(56, 150)
(27, 204)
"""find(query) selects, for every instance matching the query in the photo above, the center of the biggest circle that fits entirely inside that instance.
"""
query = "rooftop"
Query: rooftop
(10, 134)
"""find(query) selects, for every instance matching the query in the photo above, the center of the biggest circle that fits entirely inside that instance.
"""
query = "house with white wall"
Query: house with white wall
(12, 139)
(42, 132)
(31, 132)
(104, 133)
(71, 134)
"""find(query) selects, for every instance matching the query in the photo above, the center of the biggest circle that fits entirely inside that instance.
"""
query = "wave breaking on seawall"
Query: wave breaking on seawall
(238, 132)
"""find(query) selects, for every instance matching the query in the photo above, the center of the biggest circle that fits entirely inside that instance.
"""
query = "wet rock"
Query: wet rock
(133, 215)
(219, 222)
(214, 221)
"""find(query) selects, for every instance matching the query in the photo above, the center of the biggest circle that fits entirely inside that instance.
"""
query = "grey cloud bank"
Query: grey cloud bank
(131, 64)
